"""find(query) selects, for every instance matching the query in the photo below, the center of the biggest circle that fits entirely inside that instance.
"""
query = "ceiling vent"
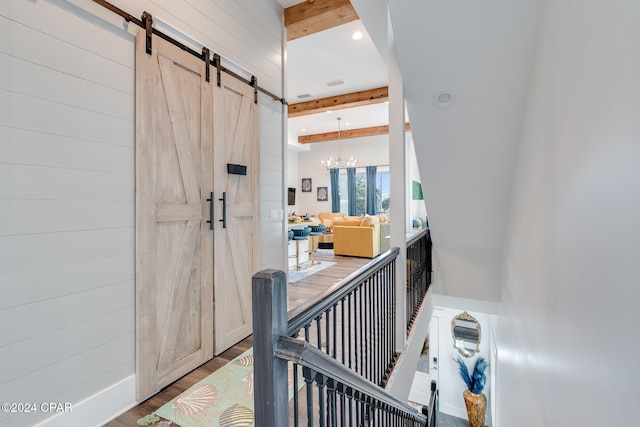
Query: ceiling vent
(304, 95)
(336, 83)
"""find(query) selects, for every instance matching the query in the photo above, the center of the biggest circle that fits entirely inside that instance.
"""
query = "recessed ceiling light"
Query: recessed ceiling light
(329, 111)
(357, 35)
(443, 100)
(304, 95)
(303, 130)
(346, 124)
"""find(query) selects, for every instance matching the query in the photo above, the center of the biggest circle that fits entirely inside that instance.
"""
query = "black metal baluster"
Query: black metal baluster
(382, 322)
(383, 327)
(327, 328)
(308, 379)
(334, 310)
(358, 410)
(361, 320)
(319, 331)
(349, 330)
(392, 276)
(321, 381)
(350, 398)
(332, 417)
(385, 323)
(356, 315)
(342, 322)
(376, 328)
(371, 345)
(342, 404)
(296, 413)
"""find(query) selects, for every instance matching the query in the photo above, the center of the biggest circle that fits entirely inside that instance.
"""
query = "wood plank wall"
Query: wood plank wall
(67, 183)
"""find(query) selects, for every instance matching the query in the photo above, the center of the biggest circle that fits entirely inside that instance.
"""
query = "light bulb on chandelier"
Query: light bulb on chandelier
(332, 163)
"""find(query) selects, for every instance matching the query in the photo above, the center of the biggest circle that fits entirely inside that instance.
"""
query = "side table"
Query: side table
(326, 240)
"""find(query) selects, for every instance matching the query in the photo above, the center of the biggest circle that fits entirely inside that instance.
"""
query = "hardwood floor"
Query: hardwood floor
(309, 287)
(298, 293)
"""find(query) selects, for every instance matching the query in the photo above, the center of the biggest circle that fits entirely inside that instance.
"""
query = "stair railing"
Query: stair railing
(354, 321)
(419, 268)
(332, 374)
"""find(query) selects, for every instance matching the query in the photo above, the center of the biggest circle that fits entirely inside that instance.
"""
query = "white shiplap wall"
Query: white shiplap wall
(67, 184)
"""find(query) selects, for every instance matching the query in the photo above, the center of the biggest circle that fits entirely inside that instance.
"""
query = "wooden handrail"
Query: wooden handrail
(306, 355)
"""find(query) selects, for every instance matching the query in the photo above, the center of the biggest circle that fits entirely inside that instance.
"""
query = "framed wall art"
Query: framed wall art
(323, 194)
(306, 185)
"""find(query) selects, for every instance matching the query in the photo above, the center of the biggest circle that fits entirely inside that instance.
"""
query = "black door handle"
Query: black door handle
(210, 211)
(224, 209)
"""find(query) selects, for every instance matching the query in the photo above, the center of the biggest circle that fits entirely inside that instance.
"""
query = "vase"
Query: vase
(476, 408)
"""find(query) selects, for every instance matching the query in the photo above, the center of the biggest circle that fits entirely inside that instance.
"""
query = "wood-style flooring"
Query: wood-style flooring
(298, 293)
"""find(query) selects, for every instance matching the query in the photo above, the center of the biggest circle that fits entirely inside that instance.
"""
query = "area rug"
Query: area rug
(324, 252)
(296, 276)
(223, 399)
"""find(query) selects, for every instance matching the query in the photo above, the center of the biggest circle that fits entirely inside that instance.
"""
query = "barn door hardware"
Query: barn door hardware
(147, 24)
(147, 20)
(207, 61)
(210, 200)
(218, 63)
(224, 210)
(254, 83)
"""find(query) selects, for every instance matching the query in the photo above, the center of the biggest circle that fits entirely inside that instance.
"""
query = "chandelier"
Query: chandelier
(332, 163)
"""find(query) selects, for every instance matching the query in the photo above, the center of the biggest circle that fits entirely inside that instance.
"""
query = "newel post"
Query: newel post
(269, 298)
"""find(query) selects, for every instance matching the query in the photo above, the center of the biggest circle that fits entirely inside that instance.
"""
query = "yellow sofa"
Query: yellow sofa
(327, 218)
(357, 237)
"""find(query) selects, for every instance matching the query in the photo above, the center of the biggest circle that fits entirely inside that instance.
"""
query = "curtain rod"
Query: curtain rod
(146, 23)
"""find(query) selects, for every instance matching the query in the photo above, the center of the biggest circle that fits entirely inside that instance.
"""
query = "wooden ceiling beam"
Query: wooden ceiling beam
(349, 133)
(339, 102)
(312, 16)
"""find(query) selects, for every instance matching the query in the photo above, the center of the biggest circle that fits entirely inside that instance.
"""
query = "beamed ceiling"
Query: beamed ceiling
(320, 51)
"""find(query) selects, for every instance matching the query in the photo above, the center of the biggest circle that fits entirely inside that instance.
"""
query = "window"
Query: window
(361, 191)
(382, 190)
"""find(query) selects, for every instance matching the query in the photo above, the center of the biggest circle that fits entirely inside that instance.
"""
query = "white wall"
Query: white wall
(567, 347)
(466, 149)
(67, 186)
(369, 151)
(417, 208)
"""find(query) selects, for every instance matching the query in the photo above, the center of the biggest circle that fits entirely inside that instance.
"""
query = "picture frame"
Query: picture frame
(323, 194)
(306, 185)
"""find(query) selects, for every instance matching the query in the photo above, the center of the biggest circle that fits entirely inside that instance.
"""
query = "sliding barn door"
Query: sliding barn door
(174, 245)
(237, 240)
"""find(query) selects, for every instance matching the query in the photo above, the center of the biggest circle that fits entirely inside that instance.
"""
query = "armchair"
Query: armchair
(357, 237)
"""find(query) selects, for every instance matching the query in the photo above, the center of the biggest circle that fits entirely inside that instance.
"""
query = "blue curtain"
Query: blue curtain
(335, 190)
(371, 189)
(351, 186)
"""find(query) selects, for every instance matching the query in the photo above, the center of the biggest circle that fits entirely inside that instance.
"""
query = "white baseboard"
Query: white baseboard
(99, 409)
